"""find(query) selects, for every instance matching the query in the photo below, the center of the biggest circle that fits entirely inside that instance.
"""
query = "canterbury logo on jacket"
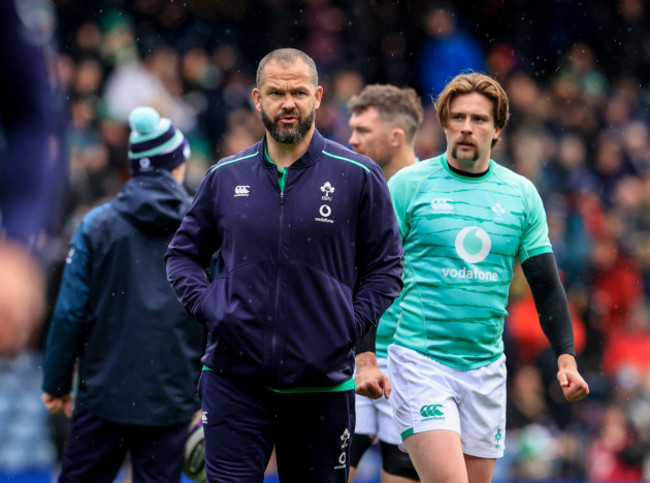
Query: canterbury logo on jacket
(300, 273)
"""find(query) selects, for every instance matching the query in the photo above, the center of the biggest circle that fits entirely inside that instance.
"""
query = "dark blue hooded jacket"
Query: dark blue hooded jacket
(300, 274)
(138, 349)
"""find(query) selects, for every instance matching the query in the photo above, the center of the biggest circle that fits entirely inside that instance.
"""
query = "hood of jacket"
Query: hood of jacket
(155, 202)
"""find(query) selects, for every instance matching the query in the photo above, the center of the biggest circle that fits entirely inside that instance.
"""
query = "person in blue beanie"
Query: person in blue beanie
(138, 350)
(309, 258)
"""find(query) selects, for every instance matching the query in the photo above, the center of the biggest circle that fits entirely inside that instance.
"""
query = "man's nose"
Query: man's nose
(467, 126)
(353, 139)
(288, 102)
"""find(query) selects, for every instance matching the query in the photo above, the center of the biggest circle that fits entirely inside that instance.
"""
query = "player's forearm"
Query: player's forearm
(366, 359)
(551, 302)
(567, 362)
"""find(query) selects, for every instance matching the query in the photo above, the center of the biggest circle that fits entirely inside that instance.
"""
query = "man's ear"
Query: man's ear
(319, 96)
(257, 99)
(397, 137)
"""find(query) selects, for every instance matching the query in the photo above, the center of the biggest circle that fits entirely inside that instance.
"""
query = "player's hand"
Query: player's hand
(573, 385)
(22, 299)
(58, 404)
(369, 379)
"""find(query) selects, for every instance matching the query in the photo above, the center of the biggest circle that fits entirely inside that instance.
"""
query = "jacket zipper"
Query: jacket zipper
(276, 306)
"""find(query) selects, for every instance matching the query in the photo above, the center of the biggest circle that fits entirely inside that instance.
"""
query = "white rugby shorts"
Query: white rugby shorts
(428, 395)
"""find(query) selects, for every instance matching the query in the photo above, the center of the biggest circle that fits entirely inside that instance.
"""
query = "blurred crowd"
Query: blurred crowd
(577, 76)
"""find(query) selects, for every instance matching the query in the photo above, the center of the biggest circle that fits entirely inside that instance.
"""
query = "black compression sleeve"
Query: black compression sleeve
(551, 302)
(366, 343)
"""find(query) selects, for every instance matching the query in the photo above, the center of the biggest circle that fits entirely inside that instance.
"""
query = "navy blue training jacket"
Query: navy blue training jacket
(300, 275)
(138, 349)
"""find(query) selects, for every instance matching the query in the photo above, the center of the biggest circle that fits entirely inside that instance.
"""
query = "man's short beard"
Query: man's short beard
(291, 136)
(454, 153)
(454, 150)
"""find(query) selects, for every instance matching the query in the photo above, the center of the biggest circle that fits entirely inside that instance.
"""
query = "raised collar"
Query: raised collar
(313, 153)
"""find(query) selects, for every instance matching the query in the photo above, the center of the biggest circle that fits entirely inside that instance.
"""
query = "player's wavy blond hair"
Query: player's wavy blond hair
(467, 83)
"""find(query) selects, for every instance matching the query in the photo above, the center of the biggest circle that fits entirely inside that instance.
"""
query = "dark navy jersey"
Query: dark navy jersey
(301, 273)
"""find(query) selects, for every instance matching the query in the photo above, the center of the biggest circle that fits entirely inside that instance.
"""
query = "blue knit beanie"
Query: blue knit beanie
(154, 142)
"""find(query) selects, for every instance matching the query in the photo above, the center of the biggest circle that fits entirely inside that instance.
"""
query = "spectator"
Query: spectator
(447, 49)
(138, 349)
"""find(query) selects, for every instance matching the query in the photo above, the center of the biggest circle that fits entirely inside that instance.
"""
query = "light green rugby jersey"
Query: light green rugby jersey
(386, 329)
(461, 236)
(388, 323)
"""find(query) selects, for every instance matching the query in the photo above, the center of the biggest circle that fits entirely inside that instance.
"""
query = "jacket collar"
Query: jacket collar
(312, 154)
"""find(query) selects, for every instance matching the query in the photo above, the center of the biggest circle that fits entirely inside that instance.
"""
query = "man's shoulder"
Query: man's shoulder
(512, 178)
(416, 171)
(99, 211)
(95, 217)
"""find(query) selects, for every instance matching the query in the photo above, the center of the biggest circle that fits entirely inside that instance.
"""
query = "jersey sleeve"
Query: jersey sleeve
(191, 249)
(70, 315)
(379, 256)
(402, 188)
(535, 240)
